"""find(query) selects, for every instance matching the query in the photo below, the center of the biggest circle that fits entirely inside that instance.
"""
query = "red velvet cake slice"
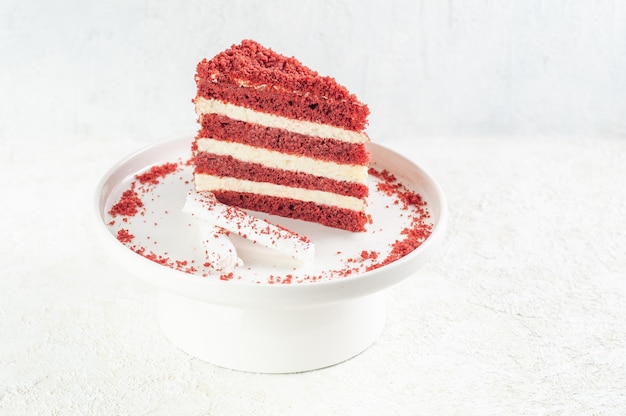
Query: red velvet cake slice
(277, 137)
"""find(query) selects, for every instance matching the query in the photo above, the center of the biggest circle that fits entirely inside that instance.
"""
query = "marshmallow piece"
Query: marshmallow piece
(220, 253)
(205, 207)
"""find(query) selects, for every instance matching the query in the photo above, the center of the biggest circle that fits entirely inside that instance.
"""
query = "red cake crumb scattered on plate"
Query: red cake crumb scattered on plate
(138, 194)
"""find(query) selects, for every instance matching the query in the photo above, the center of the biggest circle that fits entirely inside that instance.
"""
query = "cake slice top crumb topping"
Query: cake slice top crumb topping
(251, 64)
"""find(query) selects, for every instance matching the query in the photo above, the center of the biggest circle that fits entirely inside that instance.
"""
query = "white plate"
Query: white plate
(257, 287)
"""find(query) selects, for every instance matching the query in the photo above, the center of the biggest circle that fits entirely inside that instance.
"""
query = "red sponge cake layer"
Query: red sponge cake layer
(217, 165)
(223, 128)
(256, 77)
(292, 208)
(277, 137)
(292, 105)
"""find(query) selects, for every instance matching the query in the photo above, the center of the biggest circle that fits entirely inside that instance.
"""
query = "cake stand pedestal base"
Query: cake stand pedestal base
(267, 340)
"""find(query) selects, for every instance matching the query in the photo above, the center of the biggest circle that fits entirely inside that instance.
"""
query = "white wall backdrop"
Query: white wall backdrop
(125, 68)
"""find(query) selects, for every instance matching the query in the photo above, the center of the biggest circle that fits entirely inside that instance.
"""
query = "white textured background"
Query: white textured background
(517, 107)
(125, 68)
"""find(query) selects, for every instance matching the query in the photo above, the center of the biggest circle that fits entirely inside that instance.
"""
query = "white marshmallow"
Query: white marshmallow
(208, 210)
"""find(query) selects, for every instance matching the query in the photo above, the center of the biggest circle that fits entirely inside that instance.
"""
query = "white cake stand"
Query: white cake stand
(246, 323)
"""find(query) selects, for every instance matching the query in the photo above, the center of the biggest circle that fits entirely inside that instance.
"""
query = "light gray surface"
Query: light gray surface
(522, 312)
(124, 68)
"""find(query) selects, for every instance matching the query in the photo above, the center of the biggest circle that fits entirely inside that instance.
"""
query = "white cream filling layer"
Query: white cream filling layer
(209, 106)
(278, 160)
(206, 182)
